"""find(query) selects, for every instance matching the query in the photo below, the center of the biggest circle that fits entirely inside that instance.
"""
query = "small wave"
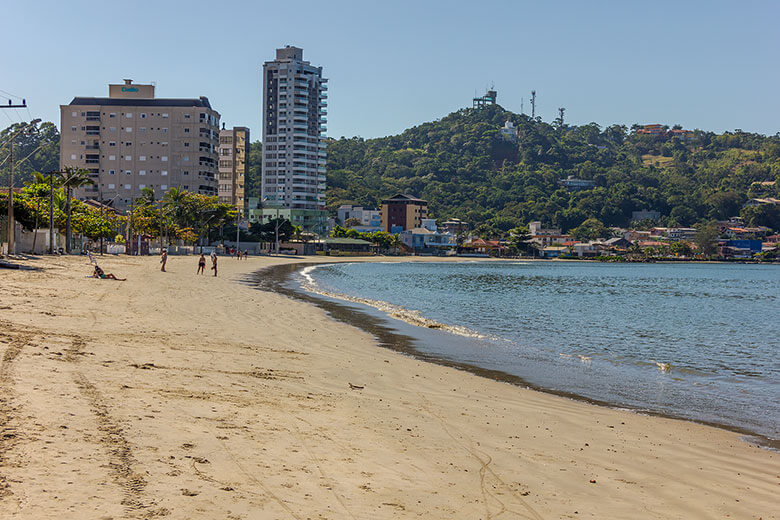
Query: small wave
(411, 316)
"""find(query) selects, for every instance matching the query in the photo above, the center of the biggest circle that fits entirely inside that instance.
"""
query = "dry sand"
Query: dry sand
(184, 396)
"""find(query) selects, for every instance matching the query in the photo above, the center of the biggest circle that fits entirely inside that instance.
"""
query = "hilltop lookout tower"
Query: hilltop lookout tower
(488, 99)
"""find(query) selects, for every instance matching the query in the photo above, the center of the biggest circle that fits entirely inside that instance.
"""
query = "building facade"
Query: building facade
(368, 217)
(294, 148)
(233, 150)
(403, 212)
(131, 140)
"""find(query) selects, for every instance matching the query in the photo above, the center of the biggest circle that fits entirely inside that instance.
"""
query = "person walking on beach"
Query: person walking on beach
(202, 264)
(214, 262)
(163, 259)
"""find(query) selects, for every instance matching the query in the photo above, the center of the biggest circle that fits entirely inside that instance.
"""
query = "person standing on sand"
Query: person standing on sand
(214, 262)
(202, 264)
(163, 259)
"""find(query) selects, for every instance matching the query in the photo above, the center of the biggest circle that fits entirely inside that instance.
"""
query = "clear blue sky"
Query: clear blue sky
(713, 65)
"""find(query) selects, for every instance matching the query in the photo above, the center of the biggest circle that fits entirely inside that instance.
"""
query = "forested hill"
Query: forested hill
(465, 169)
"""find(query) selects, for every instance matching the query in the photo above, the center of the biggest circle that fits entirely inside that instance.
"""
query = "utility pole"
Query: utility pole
(11, 245)
(238, 222)
(9, 105)
(51, 175)
(533, 104)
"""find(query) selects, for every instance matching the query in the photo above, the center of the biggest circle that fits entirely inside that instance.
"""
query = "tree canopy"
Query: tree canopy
(464, 167)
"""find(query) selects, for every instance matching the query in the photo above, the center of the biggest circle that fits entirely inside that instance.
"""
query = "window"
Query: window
(129, 115)
(111, 115)
(112, 143)
(163, 186)
(142, 158)
(111, 172)
(186, 158)
(165, 116)
(142, 129)
(186, 116)
(111, 186)
(187, 145)
(165, 172)
(112, 129)
(164, 130)
(142, 186)
(143, 116)
(128, 157)
(72, 158)
(164, 158)
(128, 129)
(185, 173)
(74, 114)
(128, 143)
(73, 128)
(186, 130)
(141, 172)
(112, 157)
(128, 172)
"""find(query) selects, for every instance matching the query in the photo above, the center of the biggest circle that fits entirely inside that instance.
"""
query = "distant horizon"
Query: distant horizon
(705, 65)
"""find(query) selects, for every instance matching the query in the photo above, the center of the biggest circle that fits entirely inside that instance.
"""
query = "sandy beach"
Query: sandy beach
(173, 395)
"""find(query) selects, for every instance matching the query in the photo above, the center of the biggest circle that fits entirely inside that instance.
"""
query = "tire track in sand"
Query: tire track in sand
(120, 454)
(8, 414)
(484, 469)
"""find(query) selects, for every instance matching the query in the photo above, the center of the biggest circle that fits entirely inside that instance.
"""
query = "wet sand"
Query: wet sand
(183, 396)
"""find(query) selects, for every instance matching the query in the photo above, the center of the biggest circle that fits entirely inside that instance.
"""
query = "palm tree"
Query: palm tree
(173, 201)
(73, 178)
(297, 233)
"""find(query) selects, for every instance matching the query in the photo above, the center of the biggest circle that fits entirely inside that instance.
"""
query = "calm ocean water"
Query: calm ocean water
(698, 341)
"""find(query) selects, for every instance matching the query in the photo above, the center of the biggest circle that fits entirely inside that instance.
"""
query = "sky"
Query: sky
(711, 65)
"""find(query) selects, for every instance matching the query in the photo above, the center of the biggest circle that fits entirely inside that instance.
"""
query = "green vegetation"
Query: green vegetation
(465, 169)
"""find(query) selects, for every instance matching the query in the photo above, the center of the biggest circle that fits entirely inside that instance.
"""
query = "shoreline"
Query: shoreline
(174, 395)
(276, 278)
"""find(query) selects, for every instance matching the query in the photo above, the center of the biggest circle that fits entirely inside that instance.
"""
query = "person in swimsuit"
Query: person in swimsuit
(202, 264)
(163, 259)
(214, 262)
(99, 273)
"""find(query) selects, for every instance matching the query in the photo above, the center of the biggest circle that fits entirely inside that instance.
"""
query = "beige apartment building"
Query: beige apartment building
(233, 149)
(131, 140)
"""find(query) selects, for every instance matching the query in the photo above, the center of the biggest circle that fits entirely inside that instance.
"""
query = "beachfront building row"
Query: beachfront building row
(293, 116)
(428, 238)
(233, 150)
(131, 140)
(359, 217)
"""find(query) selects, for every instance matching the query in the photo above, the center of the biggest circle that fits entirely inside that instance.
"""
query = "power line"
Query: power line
(9, 94)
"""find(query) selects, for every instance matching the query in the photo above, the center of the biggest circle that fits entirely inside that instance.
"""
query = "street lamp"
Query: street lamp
(276, 228)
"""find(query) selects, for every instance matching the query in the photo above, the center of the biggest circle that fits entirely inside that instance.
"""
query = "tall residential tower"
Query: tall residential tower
(233, 149)
(131, 140)
(293, 172)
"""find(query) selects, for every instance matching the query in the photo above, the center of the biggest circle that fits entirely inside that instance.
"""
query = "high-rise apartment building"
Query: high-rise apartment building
(294, 116)
(233, 149)
(131, 140)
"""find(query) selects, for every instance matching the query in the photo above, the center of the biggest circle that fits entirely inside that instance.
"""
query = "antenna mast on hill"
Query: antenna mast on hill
(560, 115)
(533, 104)
(521, 106)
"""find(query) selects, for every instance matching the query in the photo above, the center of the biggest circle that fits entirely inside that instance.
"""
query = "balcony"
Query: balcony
(323, 104)
(92, 147)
